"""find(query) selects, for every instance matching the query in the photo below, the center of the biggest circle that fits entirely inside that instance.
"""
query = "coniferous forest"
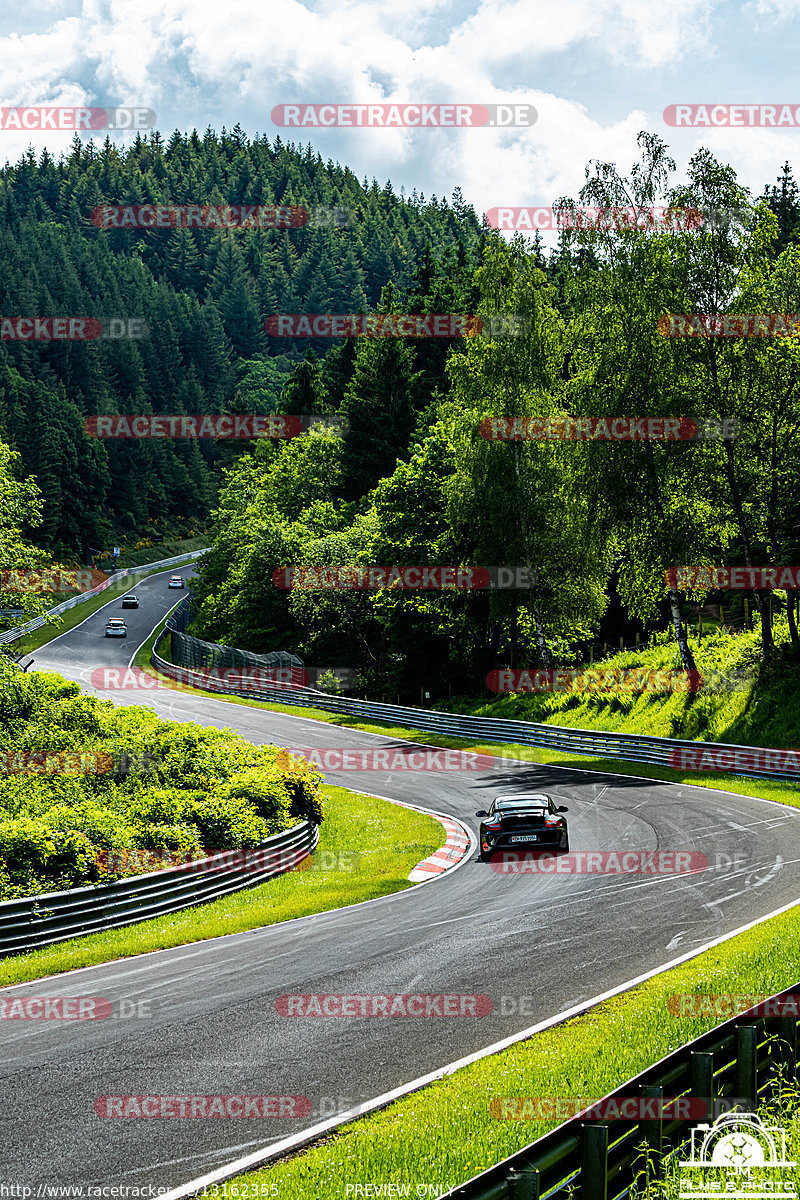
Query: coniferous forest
(412, 481)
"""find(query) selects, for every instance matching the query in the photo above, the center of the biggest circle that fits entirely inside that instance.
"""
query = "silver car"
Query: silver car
(116, 627)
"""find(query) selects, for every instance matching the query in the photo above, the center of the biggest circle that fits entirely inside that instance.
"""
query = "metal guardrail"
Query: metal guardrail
(11, 635)
(599, 1160)
(631, 747)
(35, 921)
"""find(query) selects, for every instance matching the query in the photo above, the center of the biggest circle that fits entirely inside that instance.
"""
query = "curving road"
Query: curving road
(536, 944)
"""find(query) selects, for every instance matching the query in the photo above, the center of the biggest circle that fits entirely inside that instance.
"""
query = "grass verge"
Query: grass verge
(367, 848)
(746, 702)
(446, 1133)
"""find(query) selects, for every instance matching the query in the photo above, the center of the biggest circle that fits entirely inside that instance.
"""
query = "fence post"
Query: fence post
(651, 1131)
(701, 1069)
(746, 1082)
(594, 1162)
(787, 1045)
(523, 1185)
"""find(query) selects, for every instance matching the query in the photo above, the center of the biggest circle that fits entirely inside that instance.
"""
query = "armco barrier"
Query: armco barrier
(599, 1160)
(632, 747)
(55, 916)
(11, 635)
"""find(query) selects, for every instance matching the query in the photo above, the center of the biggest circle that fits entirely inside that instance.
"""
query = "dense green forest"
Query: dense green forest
(594, 519)
(413, 481)
(204, 296)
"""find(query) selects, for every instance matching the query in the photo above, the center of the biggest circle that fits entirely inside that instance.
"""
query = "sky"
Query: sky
(595, 71)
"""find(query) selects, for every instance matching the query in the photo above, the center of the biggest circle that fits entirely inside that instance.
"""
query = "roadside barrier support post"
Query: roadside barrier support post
(649, 1162)
(523, 1185)
(746, 1083)
(701, 1068)
(594, 1162)
(787, 1046)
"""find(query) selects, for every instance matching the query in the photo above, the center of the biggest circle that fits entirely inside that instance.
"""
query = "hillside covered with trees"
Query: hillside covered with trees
(413, 481)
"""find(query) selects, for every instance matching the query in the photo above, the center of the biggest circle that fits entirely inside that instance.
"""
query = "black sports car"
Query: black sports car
(528, 820)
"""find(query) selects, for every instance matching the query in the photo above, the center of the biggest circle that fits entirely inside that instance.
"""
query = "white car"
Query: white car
(116, 627)
(175, 581)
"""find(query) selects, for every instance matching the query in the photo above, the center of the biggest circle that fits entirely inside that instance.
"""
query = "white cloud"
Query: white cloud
(201, 62)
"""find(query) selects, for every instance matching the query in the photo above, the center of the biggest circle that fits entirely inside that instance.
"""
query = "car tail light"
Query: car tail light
(552, 822)
(493, 825)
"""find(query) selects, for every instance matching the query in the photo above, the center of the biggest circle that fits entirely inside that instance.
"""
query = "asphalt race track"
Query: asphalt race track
(545, 943)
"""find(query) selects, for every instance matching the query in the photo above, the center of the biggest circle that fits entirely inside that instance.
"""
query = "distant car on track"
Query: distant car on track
(130, 601)
(116, 627)
(528, 820)
(175, 581)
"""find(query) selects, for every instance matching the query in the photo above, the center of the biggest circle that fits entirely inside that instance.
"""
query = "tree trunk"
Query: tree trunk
(544, 649)
(687, 658)
(767, 644)
(791, 604)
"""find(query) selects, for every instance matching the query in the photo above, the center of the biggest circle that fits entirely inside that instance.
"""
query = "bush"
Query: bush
(210, 790)
(183, 840)
(227, 820)
(265, 792)
(36, 858)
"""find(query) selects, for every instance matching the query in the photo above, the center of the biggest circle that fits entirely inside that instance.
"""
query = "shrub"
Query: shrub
(265, 792)
(180, 839)
(227, 819)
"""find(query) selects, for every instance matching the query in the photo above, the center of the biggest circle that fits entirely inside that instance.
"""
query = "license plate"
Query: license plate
(525, 837)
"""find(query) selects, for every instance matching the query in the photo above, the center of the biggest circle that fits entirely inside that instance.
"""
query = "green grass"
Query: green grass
(166, 549)
(68, 620)
(764, 713)
(367, 849)
(446, 1132)
(782, 1110)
